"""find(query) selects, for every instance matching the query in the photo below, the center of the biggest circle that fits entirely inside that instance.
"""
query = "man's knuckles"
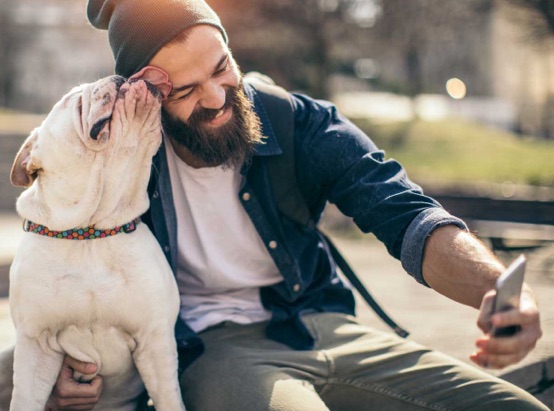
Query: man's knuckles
(530, 316)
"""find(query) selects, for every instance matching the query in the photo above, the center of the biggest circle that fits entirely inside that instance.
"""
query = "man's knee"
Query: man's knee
(6, 377)
(259, 388)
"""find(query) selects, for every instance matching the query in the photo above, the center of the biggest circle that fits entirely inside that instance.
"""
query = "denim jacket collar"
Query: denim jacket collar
(270, 145)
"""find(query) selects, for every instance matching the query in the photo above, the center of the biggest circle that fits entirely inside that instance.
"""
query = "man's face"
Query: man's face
(207, 111)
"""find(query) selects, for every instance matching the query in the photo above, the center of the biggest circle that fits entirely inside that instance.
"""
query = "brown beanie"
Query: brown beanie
(138, 29)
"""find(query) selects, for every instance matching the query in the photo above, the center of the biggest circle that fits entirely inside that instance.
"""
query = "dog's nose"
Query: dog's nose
(118, 80)
(152, 89)
(98, 127)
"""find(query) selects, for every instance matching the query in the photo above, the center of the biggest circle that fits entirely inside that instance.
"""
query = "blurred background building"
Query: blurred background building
(501, 50)
(400, 62)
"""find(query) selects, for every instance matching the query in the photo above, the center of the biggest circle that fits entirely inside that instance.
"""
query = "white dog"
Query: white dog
(109, 298)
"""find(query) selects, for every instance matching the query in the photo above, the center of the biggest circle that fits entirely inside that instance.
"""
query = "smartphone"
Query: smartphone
(508, 294)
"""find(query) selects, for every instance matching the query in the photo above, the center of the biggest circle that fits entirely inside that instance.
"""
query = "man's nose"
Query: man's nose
(213, 96)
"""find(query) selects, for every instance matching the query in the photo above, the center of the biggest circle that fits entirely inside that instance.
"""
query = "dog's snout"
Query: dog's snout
(98, 127)
(118, 80)
(153, 89)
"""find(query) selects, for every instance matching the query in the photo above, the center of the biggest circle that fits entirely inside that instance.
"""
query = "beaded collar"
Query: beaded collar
(85, 233)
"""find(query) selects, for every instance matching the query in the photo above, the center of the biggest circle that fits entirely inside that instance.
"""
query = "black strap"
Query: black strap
(355, 281)
(282, 172)
(282, 168)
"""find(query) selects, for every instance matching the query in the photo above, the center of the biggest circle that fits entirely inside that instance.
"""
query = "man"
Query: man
(265, 323)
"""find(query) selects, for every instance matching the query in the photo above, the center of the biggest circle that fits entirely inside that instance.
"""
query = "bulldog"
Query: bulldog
(89, 280)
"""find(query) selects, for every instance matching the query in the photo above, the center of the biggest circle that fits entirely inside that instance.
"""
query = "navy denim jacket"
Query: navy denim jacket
(336, 162)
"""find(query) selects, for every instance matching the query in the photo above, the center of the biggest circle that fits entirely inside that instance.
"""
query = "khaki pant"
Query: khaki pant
(352, 367)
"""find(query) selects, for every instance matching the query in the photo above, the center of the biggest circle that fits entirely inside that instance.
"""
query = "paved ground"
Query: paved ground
(432, 319)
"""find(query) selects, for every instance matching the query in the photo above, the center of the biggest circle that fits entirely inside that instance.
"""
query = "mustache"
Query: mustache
(204, 115)
(227, 145)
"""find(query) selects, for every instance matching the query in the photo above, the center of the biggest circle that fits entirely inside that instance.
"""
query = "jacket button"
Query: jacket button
(273, 245)
(246, 196)
(155, 194)
(296, 288)
(166, 249)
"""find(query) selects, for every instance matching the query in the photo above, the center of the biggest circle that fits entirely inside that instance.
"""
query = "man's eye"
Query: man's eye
(186, 95)
(222, 70)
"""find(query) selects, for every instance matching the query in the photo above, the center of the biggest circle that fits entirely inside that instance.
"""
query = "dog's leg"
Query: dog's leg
(156, 361)
(6, 378)
(36, 368)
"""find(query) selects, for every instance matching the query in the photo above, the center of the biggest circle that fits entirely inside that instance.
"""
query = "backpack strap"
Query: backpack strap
(355, 281)
(282, 173)
(282, 168)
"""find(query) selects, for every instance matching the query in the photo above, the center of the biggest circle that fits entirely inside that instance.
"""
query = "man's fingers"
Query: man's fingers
(504, 345)
(522, 341)
(97, 384)
(52, 406)
(69, 394)
(73, 389)
(496, 361)
(499, 352)
(73, 407)
(80, 366)
(484, 320)
(515, 317)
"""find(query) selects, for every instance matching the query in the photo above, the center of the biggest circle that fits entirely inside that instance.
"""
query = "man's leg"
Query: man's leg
(376, 370)
(352, 368)
(241, 369)
(6, 378)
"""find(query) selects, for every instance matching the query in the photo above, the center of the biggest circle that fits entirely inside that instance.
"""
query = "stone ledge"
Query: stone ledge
(536, 378)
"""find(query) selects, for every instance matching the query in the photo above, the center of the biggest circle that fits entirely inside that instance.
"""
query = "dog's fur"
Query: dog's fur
(110, 301)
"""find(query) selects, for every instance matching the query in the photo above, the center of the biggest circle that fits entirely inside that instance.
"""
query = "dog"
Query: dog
(89, 280)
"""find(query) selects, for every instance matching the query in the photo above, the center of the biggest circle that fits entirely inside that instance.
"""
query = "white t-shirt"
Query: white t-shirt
(222, 261)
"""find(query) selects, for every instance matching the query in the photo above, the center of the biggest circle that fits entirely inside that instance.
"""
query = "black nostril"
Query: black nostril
(155, 92)
(97, 127)
(119, 81)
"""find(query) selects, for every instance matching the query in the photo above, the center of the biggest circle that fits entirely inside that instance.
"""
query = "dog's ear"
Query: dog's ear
(25, 167)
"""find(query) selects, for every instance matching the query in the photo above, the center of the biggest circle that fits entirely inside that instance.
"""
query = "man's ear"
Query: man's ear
(155, 76)
(25, 167)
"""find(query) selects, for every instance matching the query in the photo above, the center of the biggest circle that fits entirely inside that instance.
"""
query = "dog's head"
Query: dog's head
(89, 161)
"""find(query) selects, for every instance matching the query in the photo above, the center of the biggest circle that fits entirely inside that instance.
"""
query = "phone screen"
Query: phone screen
(508, 293)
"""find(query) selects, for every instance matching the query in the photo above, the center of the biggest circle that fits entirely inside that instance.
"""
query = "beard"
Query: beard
(228, 145)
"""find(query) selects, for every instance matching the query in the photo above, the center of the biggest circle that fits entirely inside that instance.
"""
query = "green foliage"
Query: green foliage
(452, 151)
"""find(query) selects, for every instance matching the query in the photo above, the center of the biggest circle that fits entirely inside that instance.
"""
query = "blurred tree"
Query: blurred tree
(6, 51)
(411, 26)
(13, 38)
(538, 17)
(300, 43)
(295, 42)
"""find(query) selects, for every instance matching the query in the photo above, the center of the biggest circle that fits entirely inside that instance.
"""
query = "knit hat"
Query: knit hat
(138, 29)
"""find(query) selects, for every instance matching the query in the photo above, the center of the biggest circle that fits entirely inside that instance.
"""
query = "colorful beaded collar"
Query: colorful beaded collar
(86, 233)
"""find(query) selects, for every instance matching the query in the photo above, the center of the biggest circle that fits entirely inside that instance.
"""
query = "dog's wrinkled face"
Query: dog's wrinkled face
(92, 153)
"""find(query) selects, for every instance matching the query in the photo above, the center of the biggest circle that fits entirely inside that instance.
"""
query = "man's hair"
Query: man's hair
(138, 29)
(180, 38)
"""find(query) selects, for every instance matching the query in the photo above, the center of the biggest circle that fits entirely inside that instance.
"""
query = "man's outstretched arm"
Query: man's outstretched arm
(459, 266)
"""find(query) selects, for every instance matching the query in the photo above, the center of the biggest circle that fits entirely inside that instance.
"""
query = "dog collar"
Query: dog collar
(86, 233)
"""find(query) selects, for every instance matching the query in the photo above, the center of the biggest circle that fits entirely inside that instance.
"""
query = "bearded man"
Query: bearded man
(265, 322)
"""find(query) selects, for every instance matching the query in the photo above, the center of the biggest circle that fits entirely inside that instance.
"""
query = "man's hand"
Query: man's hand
(499, 352)
(70, 395)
